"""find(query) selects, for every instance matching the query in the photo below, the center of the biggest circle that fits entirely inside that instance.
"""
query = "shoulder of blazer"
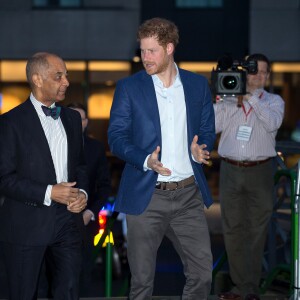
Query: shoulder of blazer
(20, 111)
(184, 74)
(141, 75)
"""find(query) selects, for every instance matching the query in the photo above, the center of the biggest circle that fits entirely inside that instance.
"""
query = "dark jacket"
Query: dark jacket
(26, 168)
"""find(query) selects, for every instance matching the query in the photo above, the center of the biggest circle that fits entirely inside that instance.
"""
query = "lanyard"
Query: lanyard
(248, 112)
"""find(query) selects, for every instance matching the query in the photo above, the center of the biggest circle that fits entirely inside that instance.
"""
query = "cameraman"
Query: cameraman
(247, 149)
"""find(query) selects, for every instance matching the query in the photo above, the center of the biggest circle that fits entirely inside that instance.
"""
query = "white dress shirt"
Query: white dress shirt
(173, 122)
(57, 140)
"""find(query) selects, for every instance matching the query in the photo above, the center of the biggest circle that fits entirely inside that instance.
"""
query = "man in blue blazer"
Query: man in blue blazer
(43, 180)
(162, 126)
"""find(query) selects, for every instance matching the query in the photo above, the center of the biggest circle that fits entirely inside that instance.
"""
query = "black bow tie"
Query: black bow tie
(52, 112)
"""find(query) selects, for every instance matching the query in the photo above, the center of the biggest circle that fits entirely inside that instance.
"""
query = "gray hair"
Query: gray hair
(37, 63)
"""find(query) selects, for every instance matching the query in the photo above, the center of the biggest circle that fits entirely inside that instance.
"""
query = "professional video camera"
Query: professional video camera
(230, 76)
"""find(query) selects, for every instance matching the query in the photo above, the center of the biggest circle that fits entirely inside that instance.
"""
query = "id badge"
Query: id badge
(244, 133)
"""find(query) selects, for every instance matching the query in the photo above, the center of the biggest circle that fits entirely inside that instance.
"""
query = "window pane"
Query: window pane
(70, 3)
(57, 3)
(199, 3)
(40, 3)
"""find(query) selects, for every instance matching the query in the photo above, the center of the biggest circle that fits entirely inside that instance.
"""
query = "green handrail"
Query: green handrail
(108, 266)
(291, 174)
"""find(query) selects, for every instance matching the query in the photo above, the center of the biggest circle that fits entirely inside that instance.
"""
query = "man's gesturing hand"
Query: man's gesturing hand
(154, 164)
(199, 153)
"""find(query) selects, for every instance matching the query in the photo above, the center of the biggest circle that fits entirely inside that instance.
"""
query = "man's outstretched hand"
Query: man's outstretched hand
(154, 164)
(198, 151)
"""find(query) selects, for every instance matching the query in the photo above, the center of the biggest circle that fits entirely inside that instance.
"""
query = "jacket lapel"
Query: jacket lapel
(37, 134)
(67, 123)
(188, 101)
(151, 102)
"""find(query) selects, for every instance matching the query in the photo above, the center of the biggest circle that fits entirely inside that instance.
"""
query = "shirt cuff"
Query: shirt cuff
(86, 195)
(196, 160)
(146, 168)
(47, 199)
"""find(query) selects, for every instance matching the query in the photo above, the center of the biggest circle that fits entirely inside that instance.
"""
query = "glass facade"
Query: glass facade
(93, 83)
(56, 3)
(199, 3)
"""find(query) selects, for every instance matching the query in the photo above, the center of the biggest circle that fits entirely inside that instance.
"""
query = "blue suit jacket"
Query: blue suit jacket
(134, 132)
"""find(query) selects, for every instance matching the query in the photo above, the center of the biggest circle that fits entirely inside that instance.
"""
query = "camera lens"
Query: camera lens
(229, 82)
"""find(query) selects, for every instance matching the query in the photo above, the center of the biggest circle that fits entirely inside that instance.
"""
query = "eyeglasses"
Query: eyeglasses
(260, 72)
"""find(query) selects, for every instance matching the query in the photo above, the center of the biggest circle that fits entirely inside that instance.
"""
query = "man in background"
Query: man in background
(247, 149)
(99, 191)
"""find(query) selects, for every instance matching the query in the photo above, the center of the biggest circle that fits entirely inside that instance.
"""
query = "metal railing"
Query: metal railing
(108, 264)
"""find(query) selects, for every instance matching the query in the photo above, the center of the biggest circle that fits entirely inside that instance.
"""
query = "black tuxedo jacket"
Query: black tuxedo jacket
(26, 168)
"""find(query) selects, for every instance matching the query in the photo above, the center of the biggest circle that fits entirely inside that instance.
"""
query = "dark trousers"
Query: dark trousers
(23, 264)
(90, 253)
(180, 216)
(246, 196)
